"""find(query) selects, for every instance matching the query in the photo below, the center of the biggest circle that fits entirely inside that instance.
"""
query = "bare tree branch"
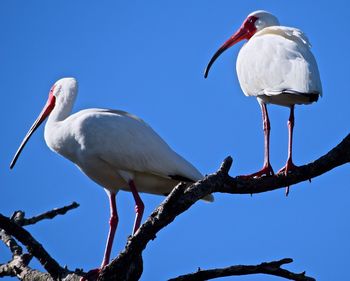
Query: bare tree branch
(270, 268)
(34, 247)
(17, 266)
(127, 264)
(6, 270)
(10, 243)
(19, 260)
(337, 156)
(18, 216)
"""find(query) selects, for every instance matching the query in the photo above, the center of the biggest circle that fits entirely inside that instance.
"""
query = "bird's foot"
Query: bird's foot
(91, 275)
(286, 169)
(265, 171)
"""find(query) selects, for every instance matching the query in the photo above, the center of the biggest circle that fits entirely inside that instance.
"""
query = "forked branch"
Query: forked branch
(128, 264)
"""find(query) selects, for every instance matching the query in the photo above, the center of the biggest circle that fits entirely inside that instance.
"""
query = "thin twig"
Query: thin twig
(19, 218)
(270, 268)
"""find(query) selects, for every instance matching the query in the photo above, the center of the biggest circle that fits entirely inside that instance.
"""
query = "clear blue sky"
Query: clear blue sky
(148, 57)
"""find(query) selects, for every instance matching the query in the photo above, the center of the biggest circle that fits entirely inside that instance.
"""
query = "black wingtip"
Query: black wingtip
(314, 97)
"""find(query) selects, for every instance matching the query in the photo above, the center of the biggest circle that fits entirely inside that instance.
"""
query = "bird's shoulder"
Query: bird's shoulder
(100, 112)
(290, 33)
(104, 126)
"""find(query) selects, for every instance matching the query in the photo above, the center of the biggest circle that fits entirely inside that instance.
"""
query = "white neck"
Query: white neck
(55, 133)
(63, 108)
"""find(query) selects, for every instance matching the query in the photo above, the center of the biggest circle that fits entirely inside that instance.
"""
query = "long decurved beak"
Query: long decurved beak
(235, 38)
(50, 104)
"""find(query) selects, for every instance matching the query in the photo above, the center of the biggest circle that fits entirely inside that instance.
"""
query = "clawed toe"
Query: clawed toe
(289, 167)
(265, 171)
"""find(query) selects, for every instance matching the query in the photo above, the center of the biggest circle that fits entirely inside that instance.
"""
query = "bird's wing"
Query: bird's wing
(127, 143)
(290, 33)
(276, 60)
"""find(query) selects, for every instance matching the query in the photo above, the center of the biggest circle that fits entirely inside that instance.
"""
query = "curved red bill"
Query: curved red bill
(235, 38)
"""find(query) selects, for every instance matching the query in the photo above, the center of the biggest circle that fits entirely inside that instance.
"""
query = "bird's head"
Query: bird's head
(57, 94)
(255, 22)
(62, 90)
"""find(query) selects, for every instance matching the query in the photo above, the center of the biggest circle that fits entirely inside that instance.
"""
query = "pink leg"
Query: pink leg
(139, 208)
(289, 165)
(113, 223)
(267, 169)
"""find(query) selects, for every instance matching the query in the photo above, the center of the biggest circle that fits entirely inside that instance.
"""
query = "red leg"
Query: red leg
(139, 208)
(289, 165)
(113, 223)
(266, 169)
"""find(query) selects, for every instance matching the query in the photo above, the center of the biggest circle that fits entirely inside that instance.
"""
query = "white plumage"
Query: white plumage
(114, 148)
(275, 66)
(277, 61)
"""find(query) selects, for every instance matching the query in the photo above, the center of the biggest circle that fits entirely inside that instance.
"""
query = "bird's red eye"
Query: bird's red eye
(251, 20)
(249, 26)
(51, 90)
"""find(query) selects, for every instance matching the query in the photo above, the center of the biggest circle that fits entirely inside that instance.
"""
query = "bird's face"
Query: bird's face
(56, 92)
(255, 21)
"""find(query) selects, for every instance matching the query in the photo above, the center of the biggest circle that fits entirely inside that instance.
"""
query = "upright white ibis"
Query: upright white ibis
(114, 148)
(275, 66)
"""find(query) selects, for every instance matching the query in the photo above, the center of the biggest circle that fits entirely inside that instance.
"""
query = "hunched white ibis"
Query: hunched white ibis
(114, 148)
(276, 66)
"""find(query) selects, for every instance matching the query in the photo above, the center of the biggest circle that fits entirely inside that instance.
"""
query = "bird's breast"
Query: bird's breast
(272, 63)
(62, 139)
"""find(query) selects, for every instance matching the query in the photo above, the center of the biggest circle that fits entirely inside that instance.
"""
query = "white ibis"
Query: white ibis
(114, 148)
(276, 66)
